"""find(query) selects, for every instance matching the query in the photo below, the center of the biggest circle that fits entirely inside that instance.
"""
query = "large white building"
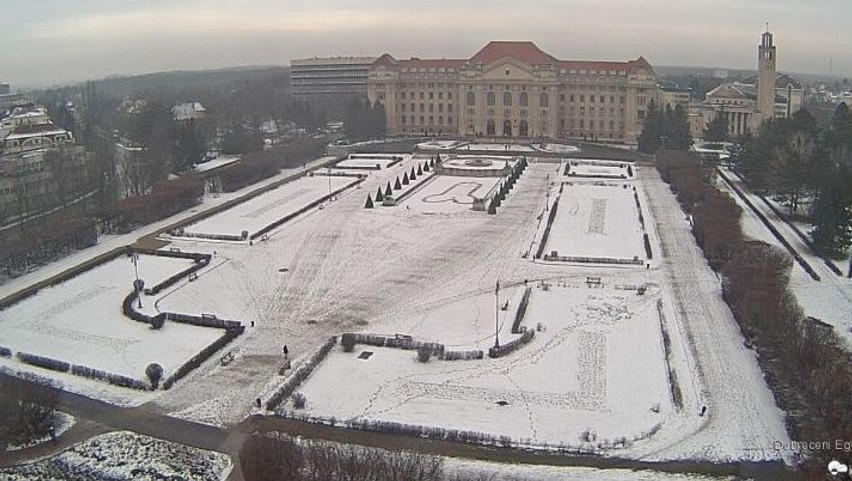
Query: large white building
(514, 89)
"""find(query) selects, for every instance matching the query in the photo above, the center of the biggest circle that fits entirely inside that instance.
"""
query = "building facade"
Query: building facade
(748, 103)
(514, 89)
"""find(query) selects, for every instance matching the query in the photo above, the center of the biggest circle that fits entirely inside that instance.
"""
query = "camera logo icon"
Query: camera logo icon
(836, 468)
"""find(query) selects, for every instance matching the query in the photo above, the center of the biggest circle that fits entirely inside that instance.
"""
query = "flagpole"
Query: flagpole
(497, 315)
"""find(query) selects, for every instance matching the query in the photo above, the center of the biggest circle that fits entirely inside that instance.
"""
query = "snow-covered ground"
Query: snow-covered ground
(447, 194)
(557, 148)
(371, 161)
(348, 268)
(514, 472)
(598, 168)
(265, 209)
(497, 147)
(80, 321)
(62, 422)
(830, 298)
(125, 455)
(440, 145)
(220, 161)
(597, 221)
(597, 366)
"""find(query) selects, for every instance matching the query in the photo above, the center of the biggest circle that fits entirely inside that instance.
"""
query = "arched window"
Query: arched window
(422, 121)
(403, 119)
(523, 100)
(490, 130)
(507, 128)
(412, 120)
(544, 100)
(440, 120)
(449, 120)
(471, 99)
(490, 99)
(523, 128)
(431, 120)
(507, 99)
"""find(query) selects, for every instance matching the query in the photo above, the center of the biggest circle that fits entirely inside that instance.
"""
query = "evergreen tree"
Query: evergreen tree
(369, 204)
(832, 215)
(717, 129)
(379, 196)
(397, 185)
(388, 190)
(652, 131)
(405, 178)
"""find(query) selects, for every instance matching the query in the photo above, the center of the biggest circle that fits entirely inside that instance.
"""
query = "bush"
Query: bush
(154, 372)
(347, 340)
(45, 362)
(5, 352)
(424, 353)
(299, 400)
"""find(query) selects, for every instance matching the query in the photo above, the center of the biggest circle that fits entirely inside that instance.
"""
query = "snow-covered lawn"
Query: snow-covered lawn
(265, 209)
(447, 194)
(597, 366)
(497, 147)
(598, 168)
(557, 148)
(125, 456)
(220, 161)
(597, 221)
(371, 161)
(440, 145)
(80, 321)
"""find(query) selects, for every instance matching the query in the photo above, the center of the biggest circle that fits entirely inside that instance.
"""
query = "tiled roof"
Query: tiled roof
(526, 52)
(431, 63)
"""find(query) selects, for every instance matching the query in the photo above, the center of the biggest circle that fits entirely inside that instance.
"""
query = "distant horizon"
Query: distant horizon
(22, 88)
(55, 42)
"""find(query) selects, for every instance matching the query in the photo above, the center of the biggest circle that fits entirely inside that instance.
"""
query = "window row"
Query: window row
(423, 107)
(508, 99)
(423, 120)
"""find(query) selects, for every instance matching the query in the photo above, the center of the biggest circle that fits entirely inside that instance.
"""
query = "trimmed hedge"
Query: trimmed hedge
(112, 378)
(647, 246)
(463, 355)
(550, 217)
(202, 356)
(5, 352)
(522, 310)
(512, 346)
(45, 362)
(299, 376)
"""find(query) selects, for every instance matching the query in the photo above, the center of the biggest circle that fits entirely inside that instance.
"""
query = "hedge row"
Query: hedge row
(203, 321)
(522, 310)
(45, 362)
(202, 356)
(299, 376)
(116, 379)
(435, 349)
(546, 234)
(5, 352)
(463, 355)
(511, 346)
(647, 246)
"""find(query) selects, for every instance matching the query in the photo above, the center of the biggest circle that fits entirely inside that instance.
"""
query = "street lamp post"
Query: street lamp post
(497, 315)
(136, 282)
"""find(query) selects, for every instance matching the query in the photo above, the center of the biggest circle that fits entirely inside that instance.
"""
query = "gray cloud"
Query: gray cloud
(55, 41)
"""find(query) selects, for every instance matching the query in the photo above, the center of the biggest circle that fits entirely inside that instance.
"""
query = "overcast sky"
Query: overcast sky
(45, 42)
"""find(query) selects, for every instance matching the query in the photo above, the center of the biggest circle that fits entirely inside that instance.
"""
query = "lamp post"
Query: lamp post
(497, 315)
(136, 283)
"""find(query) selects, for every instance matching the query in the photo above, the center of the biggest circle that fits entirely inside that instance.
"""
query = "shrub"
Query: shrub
(405, 178)
(379, 196)
(45, 362)
(424, 353)
(5, 352)
(347, 340)
(299, 400)
(388, 190)
(158, 321)
(369, 203)
(154, 372)
(397, 185)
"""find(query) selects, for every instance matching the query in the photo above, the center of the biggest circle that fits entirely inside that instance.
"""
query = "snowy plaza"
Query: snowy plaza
(617, 361)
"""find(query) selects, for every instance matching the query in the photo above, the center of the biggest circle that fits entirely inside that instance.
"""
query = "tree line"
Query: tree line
(808, 167)
(806, 363)
(664, 129)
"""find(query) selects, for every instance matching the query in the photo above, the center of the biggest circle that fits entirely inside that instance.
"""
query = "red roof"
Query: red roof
(526, 52)
(431, 63)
